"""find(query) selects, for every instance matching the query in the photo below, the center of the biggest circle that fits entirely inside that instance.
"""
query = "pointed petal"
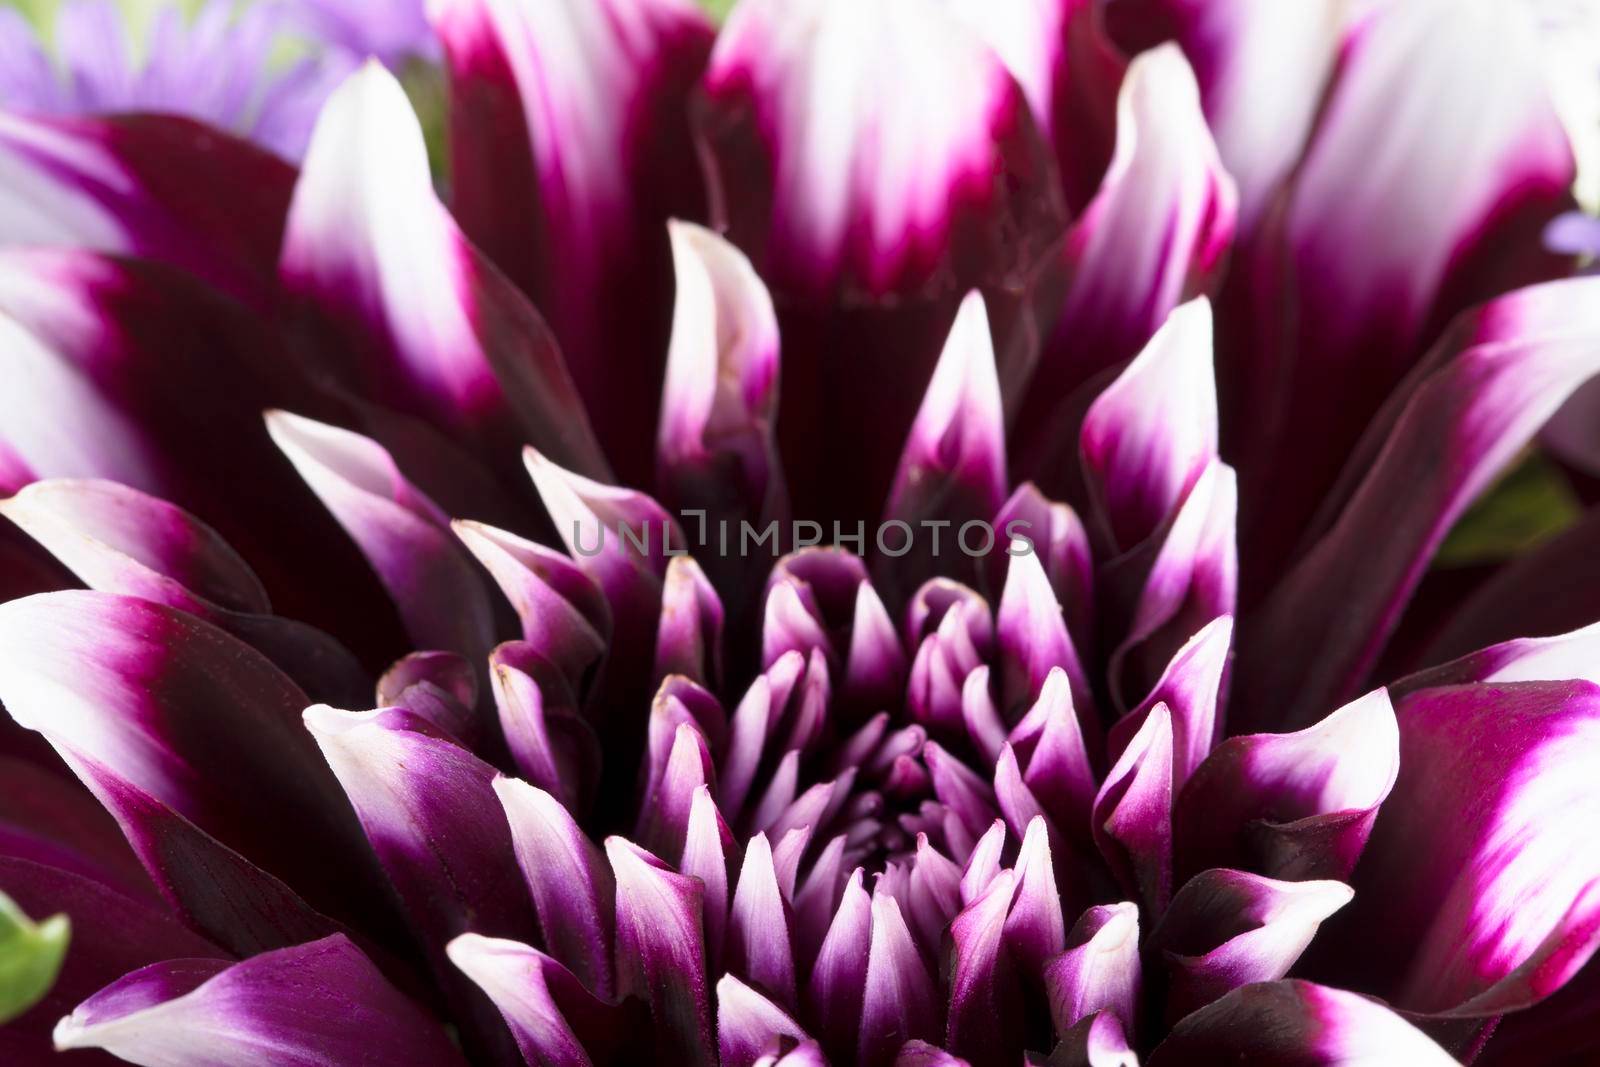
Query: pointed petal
(689, 639)
(550, 743)
(1297, 805)
(401, 306)
(748, 1024)
(569, 880)
(401, 532)
(1054, 531)
(1228, 928)
(984, 1006)
(554, 1019)
(1191, 688)
(706, 850)
(1101, 971)
(1133, 813)
(838, 979)
(322, 1002)
(1277, 1024)
(1488, 816)
(569, 151)
(983, 863)
(899, 998)
(1035, 930)
(1034, 642)
(1155, 235)
(1058, 771)
(759, 945)
(1456, 429)
(1525, 659)
(661, 950)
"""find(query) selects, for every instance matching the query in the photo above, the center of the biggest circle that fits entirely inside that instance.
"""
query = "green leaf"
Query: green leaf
(717, 9)
(30, 957)
(1526, 508)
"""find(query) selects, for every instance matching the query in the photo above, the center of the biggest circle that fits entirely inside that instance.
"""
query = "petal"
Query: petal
(839, 977)
(1277, 1024)
(953, 467)
(1525, 659)
(569, 151)
(1133, 813)
(1487, 821)
(1034, 642)
(748, 1023)
(569, 881)
(1053, 531)
(1297, 805)
(550, 743)
(759, 944)
(1100, 972)
(403, 309)
(1058, 771)
(1228, 928)
(689, 640)
(1035, 930)
(190, 739)
(554, 1019)
(661, 950)
(1151, 434)
(318, 1003)
(984, 1004)
(1191, 689)
(706, 850)
(899, 997)
(1154, 236)
(1456, 429)
(400, 531)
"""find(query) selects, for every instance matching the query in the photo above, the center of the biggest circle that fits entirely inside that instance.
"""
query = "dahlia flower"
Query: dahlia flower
(886, 533)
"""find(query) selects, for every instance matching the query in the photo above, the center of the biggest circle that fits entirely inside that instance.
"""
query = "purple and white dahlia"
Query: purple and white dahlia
(885, 532)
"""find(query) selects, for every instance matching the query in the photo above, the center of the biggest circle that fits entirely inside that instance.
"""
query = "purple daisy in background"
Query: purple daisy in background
(893, 533)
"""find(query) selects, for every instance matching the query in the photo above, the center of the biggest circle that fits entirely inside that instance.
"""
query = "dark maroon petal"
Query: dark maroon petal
(1480, 870)
(1297, 805)
(1100, 972)
(569, 151)
(1098, 1040)
(318, 1003)
(555, 1020)
(401, 308)
(661, 949)
(1228, 928)
(1297, 1024)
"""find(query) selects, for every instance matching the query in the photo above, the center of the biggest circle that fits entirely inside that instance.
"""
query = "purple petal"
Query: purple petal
(1297, 805)
(661, 950)
(550, 743)
(1057, 535)
(706, 850)
(400, 531)
(748, 1024)
(1525, 659)
(1152, 433)
(759, 945)
(689, 640)
(1133, 813)
(1100, 972)
(321, 1003)
(119, 540)
(839, 977)
(1098, 1040)
(898, 1001)
(1191, 689)
(569, 881)
(983, 1021)
(1035, 930)
(442, 688)
(1154, 236)
(953, 467)
(1480, 866)
(1297, 1024)
(1494, 381)
(1228, 928)
(402, 308)
(922, 1054)
(190, 739)
(555, 1020)
(1058, 771)
(1034, 642)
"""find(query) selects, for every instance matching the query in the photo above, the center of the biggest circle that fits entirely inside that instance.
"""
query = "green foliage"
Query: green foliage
(30, 957)
(1526, 508)
(717, 9)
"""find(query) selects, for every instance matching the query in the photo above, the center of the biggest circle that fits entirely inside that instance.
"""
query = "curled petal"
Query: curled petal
(1100, 972)
(1524, 659)
(1279, 1024)
(322, 1002)
(689, 639)
(568, 879)
(1297, 805)
(1489, 815)
(1228, 928)
(400, 531)
(550, 743)
(554, 1019)
(1133, 813)
(661, 949)
(1098, 1040)
(406, 309)
(1154, 236)
(1191, 688)
(1147, 439)
(748, 1023)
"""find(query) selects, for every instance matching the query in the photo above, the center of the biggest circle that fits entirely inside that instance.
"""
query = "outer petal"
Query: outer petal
(313, 1005)
(401, 532)
(555, 1020)
(1279, 1024)
(412, 314)
(569, 151)
(661, 949)
(119, 540)
(1292, 805)
(1324, 627)
(953, 468)
(1154, 236)
(1227, 928)
(1057, 534)
(190, 739)
(1500, 905)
